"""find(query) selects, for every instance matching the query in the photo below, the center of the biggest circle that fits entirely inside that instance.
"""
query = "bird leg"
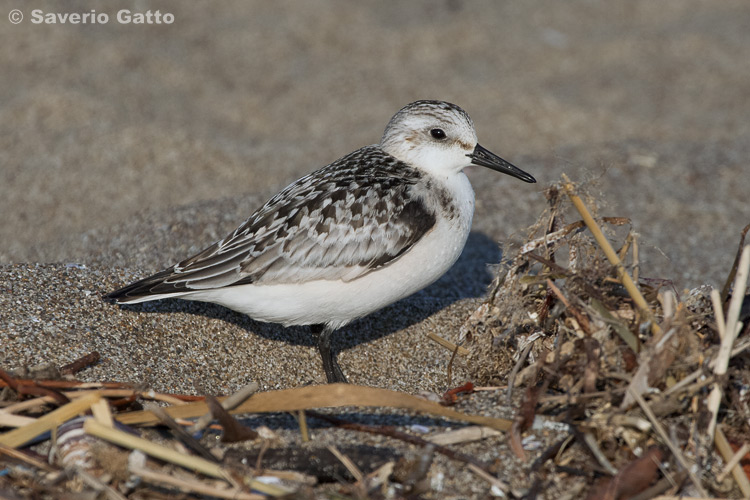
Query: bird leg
(330, 365)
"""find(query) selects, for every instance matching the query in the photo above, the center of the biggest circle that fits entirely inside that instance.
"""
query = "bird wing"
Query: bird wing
(340, 222)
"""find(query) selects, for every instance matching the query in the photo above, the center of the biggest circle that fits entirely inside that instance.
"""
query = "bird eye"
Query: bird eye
(438, 133)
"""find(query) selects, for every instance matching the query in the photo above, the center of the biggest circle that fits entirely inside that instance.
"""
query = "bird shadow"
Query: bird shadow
(468, 278)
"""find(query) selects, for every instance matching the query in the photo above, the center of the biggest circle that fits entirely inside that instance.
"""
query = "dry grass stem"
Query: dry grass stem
(465, 435)
(102, 413)
(733, 462)
(461, 351)
(192, 463)
(24, 457)
(184, 484)
(353, 469)
(731, 330)
(229, 404)
(302, 420)
(497, 483)
(326, 396)
(726, 451)
(52, 420)
(610, 253)
(595, 450)
(718, 312)
(10, 420)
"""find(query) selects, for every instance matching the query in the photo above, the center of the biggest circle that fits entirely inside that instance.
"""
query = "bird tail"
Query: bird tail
(152, 288)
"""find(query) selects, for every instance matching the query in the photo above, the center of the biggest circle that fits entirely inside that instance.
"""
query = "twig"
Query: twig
(554, 267)
(741, 347)
(265, 445)
(554, 237)
(684, 382)
(11, 420)
(31, 388)
(183, 436)
(722, 444)
(549, 453)
(379, 476)
(102, 413)
(302, 420)
(233, 430)
(127, 440)
(80, 363)
(350, 466)
(71, 384)
(461, 351)
(674, 449)
(465, 435)
(8, 380)
(718, 312)
(690, 389)
(550, 238)
(517, 368)
(105, 393)
(735, 305)
(228, 404)
(590, 441)
(731, 330)
(173, 399)
(24, 457)
(583, 321)
(77, 389)
(29, 404)
(489, 478)
(523, 419)
(732, 462)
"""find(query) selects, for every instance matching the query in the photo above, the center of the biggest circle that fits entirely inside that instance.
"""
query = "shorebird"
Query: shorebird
(369, 229)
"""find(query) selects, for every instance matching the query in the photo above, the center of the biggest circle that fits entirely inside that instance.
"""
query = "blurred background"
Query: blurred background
(107, 129)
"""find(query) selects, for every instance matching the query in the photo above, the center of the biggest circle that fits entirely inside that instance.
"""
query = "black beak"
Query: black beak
(488, 159)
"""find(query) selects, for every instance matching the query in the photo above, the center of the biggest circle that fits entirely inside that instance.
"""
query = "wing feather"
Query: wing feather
(340, 222)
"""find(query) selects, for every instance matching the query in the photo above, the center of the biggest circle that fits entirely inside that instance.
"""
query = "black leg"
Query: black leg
(330, 365)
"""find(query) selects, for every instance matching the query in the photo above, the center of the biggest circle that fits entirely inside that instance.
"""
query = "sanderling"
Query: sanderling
(369, 229)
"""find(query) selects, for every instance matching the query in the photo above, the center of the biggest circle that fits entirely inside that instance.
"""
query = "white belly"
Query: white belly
(336, 302)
